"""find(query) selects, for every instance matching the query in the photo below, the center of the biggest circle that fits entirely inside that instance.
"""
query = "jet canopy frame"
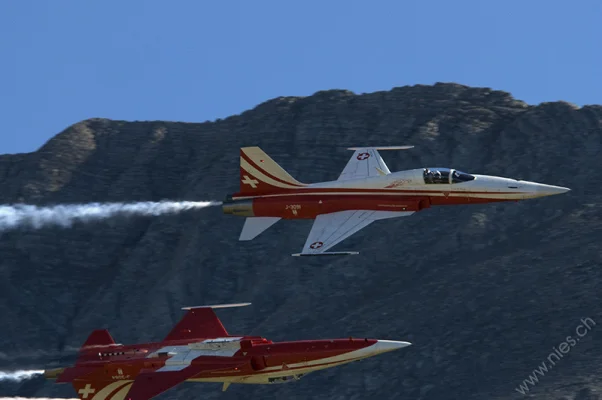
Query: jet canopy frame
(445, 176)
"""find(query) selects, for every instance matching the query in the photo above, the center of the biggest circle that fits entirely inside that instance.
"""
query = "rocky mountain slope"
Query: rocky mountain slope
(484, 292)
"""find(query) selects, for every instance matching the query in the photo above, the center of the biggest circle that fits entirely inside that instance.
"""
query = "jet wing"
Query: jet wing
(367, 162)
(144, 387)
(331, 229)
(150, 384)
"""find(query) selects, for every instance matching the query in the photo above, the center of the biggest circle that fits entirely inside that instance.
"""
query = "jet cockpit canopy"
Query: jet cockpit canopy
(445, 176)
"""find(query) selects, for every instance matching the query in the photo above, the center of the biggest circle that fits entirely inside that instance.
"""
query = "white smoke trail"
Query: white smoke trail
(19, 375)
(23, 375)
(24, 215)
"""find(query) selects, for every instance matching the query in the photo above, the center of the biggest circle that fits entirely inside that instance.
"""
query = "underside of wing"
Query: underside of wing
(331, 229)
(150, 384)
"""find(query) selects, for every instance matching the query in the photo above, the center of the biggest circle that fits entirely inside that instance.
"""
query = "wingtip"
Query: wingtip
(382, 147)
(218, 306)
(332, 253)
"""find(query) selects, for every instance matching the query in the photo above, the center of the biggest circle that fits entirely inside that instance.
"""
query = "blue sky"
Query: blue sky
(63, 61)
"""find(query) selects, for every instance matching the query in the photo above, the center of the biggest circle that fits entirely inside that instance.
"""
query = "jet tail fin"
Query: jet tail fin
(97, 386)
(259, 174)
(99, 337)
(200, 322)
(256, 225)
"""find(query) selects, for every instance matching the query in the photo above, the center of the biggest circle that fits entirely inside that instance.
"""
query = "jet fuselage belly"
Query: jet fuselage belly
(311, 204)
(292, 360)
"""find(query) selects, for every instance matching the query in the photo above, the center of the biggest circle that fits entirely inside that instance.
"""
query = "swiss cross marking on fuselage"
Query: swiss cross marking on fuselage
(363, 156)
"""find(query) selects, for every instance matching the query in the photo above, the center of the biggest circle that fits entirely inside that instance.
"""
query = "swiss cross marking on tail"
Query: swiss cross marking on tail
(363, 156)
(85, 392)
(316, 245)
(251, 182)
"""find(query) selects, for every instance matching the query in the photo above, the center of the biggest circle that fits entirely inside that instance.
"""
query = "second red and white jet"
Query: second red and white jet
(199, 349)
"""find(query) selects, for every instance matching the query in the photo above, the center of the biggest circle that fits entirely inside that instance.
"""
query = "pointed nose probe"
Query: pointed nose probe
(550, 190)
(383, 346)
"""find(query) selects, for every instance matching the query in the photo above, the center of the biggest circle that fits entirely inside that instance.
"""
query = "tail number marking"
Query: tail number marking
(293, 207)
(120, 375)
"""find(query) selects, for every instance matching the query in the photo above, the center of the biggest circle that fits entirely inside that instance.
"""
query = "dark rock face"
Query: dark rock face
(484, 292)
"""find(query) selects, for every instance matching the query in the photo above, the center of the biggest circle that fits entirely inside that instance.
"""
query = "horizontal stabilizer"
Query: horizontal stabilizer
(255, 225)
(332, 253)
(382, 147)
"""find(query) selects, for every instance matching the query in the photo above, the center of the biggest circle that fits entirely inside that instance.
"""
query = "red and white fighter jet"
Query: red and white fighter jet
(198, 349)
(364, 192)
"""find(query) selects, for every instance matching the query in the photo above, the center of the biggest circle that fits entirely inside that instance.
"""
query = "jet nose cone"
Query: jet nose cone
(549, 190)
(382, 346)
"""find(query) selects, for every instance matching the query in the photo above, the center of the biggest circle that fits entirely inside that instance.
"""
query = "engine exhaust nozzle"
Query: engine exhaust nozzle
(242, 208)
(53, 373)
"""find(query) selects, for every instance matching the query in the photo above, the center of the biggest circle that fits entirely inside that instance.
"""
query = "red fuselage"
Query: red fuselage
(198, 348)
(246, 360)
(309, 206)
